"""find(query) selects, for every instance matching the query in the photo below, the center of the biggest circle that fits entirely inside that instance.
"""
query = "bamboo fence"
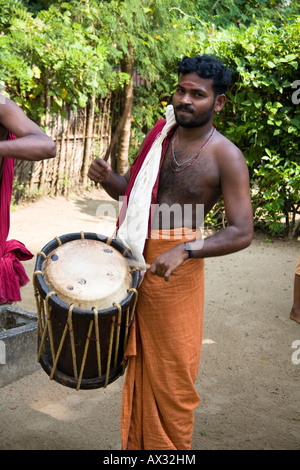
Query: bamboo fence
(79, 137)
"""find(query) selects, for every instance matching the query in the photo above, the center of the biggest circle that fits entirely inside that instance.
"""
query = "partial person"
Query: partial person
(185, 166)
(295, 312)
(22, 139)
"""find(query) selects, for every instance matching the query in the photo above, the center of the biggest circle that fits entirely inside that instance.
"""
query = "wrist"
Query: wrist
(188, 249)
(104, 183)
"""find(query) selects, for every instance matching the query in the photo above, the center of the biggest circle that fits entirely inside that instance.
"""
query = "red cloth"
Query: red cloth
(135, 168)
(12, 252)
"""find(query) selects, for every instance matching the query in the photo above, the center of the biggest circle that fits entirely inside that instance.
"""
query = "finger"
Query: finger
(167, 274)
(98, 171)
(100, 163)
(153, 268)
(93, 174)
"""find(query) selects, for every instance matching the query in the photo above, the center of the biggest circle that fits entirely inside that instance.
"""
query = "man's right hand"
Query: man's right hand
(99, 170)
(114, 184)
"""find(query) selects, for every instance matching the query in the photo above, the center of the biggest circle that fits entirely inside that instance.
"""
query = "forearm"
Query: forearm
(30, 147)
(224, 242)
(115, 185)
(228, 240)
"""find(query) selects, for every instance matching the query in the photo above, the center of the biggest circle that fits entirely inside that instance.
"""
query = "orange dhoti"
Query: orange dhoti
(298, 267)
(159, 396)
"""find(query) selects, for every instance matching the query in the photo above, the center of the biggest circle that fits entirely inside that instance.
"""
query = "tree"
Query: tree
(75, 52)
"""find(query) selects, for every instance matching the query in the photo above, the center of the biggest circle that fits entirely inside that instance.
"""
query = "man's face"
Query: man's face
(193, 100)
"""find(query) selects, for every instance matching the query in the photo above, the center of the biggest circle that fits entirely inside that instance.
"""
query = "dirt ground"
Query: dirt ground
(248, 378)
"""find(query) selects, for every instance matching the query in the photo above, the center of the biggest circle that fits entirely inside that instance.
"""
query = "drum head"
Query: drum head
(87, 273)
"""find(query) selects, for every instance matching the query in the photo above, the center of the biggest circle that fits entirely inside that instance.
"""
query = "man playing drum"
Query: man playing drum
(20, 138)
(185, 164)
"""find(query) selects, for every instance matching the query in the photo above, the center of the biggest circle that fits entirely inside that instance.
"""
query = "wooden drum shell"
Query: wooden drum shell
(106, 330)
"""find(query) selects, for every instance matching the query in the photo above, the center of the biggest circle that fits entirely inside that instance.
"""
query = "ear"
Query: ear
(219, 102)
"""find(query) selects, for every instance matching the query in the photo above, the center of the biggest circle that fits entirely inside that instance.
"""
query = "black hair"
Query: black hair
(207, 67)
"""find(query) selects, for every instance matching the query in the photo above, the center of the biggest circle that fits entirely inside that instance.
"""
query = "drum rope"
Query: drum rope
(48, 326)
(62, 343)
(110, 350)
(39, 303)
(85, 354)
(97, 341)
(118, 325)
(133, 307)
(129, 321)
(58, 240)
(71, 332)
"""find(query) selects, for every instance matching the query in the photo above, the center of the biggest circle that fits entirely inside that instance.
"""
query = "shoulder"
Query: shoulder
(159, 125)
(230, 161)
(224, 147)
(227, 154)
(7, 105)
(146, 145)
(10, 112)
(152, 134)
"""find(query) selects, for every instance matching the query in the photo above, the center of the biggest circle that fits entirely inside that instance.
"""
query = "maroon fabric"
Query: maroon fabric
(153, 134)
(12, 252)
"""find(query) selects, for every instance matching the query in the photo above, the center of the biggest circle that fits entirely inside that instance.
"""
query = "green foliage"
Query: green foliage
(77, 48)
(72, 50)
(262, 116)
(277, 194)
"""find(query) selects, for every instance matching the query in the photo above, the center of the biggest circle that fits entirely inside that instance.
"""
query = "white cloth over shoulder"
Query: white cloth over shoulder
(134, 229)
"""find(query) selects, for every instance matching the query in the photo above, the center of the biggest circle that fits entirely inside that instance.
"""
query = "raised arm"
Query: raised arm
(31, 142)
(115, 185)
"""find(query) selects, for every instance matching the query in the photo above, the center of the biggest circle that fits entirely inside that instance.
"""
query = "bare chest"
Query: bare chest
(196, 181)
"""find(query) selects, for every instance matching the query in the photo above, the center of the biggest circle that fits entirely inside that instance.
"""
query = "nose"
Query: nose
(185, 99)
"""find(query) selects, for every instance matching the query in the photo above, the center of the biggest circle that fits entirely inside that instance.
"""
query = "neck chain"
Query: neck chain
(182, 166)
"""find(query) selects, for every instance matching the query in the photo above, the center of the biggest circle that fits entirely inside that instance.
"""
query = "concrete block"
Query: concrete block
(18, 344)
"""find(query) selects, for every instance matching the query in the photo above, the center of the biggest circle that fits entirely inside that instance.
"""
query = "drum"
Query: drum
(86, 295)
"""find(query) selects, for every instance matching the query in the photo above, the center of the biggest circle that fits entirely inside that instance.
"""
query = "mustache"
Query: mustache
(184, 107)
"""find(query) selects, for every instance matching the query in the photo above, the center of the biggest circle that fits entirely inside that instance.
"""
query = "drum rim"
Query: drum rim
(54, 300)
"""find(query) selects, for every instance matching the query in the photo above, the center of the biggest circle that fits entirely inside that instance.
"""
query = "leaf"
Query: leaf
(268, 152)
(82, 101)
(290, 57)
(36, 72)
(270, 64)
(64, 93)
